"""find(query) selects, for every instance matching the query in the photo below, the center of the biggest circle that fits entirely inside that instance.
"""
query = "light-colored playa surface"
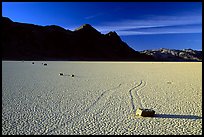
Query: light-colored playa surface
(101, 98)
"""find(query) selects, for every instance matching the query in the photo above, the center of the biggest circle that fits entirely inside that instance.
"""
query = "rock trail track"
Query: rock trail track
(134, 96)
(100, 103)
(102, 98)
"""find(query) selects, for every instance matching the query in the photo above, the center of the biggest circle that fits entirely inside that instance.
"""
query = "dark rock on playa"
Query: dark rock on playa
(145, 112)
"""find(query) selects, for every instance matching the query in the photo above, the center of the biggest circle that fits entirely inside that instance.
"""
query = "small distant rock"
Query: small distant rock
(32, 62)
(45, 64)
(61, 74)
(72, 75)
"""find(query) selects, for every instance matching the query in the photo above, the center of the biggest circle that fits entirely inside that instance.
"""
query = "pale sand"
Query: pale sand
(101, 98)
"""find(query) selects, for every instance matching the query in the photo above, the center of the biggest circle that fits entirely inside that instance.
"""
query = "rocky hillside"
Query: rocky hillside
(21, 41)
(175, 55)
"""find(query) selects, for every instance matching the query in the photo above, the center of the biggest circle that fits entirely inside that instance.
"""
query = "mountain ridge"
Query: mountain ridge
(23, 41)
(174, 54)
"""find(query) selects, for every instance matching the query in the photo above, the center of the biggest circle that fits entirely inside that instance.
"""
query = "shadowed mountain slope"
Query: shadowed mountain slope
(21, 41)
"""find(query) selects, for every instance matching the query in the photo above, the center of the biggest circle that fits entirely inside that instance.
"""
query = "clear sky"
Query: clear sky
(142, 25)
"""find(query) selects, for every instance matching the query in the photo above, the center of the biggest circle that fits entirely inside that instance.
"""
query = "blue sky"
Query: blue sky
(142, 25)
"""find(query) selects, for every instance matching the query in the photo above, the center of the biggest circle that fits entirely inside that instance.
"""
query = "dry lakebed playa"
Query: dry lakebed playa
(101, 98)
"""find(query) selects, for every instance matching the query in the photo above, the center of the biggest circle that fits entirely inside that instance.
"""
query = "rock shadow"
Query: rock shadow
(177, 116)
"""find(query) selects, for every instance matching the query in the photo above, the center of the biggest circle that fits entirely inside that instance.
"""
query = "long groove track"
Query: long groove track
(86, 110)
(136, 100)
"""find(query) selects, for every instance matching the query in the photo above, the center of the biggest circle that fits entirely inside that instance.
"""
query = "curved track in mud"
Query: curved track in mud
(101, 98)
(134, 96)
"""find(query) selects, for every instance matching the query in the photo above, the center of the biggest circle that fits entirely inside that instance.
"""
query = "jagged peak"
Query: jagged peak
(112, 33)
(85, 26)
(87, 29)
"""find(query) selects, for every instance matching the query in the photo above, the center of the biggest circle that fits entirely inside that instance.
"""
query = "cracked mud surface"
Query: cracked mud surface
(102, 98)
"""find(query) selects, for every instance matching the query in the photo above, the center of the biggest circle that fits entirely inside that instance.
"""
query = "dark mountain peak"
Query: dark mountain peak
(87, 29)
(85, 26)
(23, 41)
(113, 35)
(55, 28)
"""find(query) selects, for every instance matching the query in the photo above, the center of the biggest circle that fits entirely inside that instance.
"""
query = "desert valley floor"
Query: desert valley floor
(101, 98)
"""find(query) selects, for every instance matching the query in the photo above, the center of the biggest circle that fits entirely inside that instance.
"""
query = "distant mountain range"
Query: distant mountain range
(164, 54)
(22, 41)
